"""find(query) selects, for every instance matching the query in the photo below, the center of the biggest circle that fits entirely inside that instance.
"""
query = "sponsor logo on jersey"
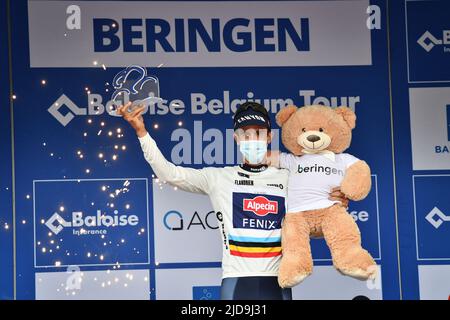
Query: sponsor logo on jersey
(243, 182)
(256, 211)
(243, 175)
(277, 185)
(261, 206)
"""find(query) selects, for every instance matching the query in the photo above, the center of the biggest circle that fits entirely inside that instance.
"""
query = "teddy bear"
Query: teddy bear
(317, 137)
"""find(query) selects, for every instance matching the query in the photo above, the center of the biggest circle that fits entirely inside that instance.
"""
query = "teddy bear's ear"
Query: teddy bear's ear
(348, 115)
(284, 114)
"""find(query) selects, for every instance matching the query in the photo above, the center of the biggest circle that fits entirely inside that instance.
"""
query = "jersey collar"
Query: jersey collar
(257, 168)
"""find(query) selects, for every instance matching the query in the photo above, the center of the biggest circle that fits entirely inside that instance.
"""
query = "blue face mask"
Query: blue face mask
(253, 151)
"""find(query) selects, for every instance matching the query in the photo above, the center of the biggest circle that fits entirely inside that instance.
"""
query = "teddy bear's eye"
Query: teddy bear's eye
(304, 130)
(320, 130)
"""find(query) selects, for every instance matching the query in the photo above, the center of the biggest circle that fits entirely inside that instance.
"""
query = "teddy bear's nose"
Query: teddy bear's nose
(313, 138)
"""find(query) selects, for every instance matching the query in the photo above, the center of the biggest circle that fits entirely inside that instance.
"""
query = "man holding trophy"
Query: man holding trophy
(249, 201)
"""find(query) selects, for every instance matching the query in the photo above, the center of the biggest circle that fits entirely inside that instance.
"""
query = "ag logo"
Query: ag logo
(260, 205)
(174, 220)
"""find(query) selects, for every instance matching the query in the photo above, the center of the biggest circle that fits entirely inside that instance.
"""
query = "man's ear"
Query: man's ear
(348, 115)
(284, 114)
(236, 138)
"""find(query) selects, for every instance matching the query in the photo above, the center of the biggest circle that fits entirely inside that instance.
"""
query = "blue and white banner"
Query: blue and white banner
(421, 99)
(6, 187)
(199, 34)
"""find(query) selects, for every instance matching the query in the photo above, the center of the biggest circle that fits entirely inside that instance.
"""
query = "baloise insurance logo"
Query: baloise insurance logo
(90, 225)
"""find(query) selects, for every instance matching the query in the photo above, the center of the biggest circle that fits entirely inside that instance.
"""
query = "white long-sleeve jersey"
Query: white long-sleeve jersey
(249, 206)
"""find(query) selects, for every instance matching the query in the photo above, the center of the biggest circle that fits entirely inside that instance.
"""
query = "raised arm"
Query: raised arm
(188, 179)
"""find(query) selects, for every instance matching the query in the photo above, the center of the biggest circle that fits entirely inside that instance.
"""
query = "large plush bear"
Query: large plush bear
(317, 136)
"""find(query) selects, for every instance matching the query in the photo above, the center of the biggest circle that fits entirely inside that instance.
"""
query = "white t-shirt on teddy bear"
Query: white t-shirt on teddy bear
(311, 178)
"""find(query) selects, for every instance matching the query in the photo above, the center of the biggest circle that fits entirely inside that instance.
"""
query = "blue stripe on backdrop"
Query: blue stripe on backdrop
(425, 185)
(6, 218)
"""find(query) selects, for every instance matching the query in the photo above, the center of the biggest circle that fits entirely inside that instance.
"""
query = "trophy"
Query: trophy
(133, 84)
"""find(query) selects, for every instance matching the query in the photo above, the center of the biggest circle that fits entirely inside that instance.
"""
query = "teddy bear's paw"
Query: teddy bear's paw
(294, 269)
(289, 282)
(373, 271)
(356, 263)
(361, 274)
